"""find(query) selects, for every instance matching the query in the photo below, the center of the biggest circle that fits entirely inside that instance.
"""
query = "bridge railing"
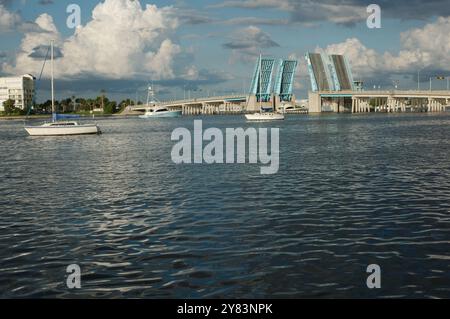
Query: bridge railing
(389, 92)
(204, 99)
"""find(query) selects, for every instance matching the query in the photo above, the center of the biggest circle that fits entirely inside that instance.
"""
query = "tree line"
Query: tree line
(71, 105)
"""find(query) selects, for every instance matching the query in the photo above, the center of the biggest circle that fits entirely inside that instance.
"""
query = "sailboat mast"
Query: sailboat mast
(52, 75)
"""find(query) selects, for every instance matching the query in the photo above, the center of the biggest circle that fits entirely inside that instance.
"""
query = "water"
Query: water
(351, 191)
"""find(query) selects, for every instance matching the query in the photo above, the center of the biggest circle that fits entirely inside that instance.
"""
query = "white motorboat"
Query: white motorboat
(155, 110)
(60, 128)
(158, 112)
(263, 115)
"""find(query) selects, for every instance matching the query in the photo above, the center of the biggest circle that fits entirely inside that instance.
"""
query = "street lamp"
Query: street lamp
(418, 79)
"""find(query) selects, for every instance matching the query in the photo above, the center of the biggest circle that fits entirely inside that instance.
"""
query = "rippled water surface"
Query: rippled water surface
(351, 191)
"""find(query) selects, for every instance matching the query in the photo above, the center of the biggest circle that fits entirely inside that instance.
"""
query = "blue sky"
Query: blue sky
(211, 46)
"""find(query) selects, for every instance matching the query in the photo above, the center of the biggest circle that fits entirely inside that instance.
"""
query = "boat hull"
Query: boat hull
(62, 131)
(261, 117)
(162, 114)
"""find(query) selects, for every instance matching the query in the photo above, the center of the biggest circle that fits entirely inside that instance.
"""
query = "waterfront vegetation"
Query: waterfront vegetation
(71, 105)
(10, 109)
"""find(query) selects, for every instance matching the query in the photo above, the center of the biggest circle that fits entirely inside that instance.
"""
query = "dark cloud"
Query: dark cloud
(193, 17)
(247, 43)
(248, 38)
(6, 3)
(346, 12)
(255, 21)
(45, 2)
(40, 52)
(87, 85)
(412, 9)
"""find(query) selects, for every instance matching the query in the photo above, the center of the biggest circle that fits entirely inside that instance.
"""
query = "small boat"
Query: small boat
(57, 127)
(62, 128)
(158, 112)
(154, 110)
(264, 114)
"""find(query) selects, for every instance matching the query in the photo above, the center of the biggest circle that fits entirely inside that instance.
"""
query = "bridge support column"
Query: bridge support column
(367, 105)
(204, 109)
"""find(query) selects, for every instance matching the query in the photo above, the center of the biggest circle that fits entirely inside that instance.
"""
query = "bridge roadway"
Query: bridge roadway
(380, 101)
(207, 105)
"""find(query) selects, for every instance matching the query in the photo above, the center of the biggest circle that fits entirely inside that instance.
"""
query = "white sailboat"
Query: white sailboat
(263, 115)
(153, 110)
(60, 128)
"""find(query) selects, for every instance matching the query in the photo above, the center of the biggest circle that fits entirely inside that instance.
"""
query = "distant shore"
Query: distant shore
(46, 116)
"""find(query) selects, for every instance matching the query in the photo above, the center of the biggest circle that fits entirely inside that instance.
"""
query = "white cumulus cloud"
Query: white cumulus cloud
(421, 48)
(122, 40)
(8, 20)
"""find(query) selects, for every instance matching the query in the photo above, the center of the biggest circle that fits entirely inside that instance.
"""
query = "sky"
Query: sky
(211, 47)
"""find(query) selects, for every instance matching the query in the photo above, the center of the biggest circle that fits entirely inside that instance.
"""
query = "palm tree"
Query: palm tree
(103, 98)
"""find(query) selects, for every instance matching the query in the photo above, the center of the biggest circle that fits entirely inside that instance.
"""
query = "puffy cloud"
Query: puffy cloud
(31, 41)
(365, 62)
(421, 48)
(8, 20)
(123, 40)
(426, 47)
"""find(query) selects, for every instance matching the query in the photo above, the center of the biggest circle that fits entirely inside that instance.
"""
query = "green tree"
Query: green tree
(110, 107)
(9, 106)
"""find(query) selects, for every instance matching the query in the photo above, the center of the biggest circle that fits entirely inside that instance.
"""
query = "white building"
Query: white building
(20, 89)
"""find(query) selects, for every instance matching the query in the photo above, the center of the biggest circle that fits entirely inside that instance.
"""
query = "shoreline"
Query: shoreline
(49, 116)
